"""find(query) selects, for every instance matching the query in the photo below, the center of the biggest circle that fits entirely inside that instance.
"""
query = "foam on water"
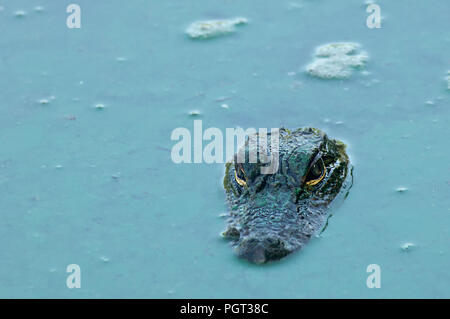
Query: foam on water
(213, 28)
(99, 106)
(336, 60)
(20, 13)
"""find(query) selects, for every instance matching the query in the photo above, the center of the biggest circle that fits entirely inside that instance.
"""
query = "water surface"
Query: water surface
(97, 188)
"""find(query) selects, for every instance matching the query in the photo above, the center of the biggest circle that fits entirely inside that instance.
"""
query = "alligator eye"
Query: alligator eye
(239, 175)
(316, 173)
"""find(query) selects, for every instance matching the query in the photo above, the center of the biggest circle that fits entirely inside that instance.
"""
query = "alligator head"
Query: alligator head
(272, 215)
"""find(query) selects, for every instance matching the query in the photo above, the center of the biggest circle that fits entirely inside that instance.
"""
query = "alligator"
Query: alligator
(272, 215)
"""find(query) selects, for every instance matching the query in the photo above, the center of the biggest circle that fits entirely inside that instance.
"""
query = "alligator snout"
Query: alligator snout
(262, 250)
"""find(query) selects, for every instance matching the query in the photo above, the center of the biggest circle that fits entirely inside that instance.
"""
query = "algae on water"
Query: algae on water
(336, 60)
(213, 28)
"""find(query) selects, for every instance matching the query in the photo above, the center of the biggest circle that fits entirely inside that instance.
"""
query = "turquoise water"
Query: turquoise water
(97, 187)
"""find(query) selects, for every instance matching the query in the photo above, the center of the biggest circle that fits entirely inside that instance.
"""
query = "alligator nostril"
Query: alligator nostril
(231, 232)
(255, 254)
(261, 250)
(252, 249)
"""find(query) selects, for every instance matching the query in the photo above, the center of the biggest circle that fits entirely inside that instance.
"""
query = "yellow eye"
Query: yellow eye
(239, 180)
(316, 173)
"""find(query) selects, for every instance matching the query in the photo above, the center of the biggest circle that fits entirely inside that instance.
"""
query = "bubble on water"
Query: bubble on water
(20, 13)
(194, 113)
(121, 59)
(337, 60)
(58, 166)
(105, 259)
(429, 103)
(407, 246)
(44, 101)
(38, 8)
(99, 106)
(401, 189)
(225, 106)
(213, 28)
